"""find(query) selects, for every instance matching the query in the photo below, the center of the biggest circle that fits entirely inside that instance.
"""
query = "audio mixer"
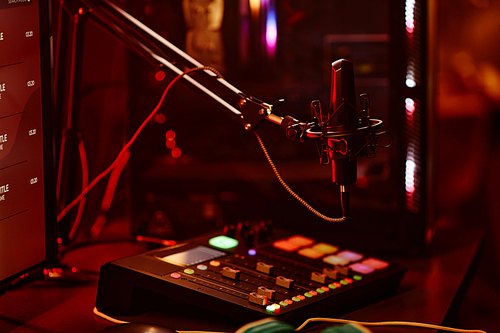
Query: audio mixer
(247, 275)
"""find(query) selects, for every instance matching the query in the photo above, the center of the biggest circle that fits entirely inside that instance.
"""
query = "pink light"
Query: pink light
(410, 176)
(271, 30)
(410, 110)
(410, 27)
(411, 172)
(410, 16)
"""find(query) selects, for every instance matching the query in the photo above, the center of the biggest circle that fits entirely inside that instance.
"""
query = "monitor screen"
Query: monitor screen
(27, 204)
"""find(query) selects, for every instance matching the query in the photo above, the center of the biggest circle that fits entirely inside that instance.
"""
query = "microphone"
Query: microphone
(342, 118)
(342, 134)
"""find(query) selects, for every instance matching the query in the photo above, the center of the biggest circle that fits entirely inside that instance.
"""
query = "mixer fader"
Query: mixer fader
(292, 277)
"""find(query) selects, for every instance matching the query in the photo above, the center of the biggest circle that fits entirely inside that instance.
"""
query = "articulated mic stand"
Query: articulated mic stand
(342, 134)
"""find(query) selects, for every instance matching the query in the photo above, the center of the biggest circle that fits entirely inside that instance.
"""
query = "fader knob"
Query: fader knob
(284, 282)
(231, 273)
(257, 298)
(318, 277)
(269, 293)
(264, 268)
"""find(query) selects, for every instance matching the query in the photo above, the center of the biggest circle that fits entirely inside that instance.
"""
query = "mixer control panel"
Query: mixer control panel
(283, 277)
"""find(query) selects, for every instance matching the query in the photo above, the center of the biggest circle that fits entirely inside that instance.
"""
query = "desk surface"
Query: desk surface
(430, 292)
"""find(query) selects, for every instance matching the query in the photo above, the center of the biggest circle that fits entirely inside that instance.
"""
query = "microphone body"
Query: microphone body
(343, 119)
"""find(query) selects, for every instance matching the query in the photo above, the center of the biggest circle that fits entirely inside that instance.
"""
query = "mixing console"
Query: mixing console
(292, 277)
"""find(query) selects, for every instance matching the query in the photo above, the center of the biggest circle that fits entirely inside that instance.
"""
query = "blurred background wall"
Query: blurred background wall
(468, 106)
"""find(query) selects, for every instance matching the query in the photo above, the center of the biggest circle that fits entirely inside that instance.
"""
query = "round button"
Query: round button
(320, 291)
(215, 263)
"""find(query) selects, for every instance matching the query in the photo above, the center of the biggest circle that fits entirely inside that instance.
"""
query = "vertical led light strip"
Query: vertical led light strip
(411, 150)
(412, 108)
(410, 29)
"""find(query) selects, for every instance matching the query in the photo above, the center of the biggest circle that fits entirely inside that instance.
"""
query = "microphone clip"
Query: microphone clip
(341, 144)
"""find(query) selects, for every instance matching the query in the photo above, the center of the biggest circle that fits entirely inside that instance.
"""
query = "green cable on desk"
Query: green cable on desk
(270, 325)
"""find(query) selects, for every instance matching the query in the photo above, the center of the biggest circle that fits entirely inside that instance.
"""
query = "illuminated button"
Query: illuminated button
(252, 252)
(375, 263)
(215, 263)
(273, 308)
(335, 260)
(264, 268)
(325, 248)
(189, 271)
(334, 285)
(257, 299)
(310, 253)
(325, 288)
(269, 293)
(361, 268)
(320, 291)
(301, 241)
(270, 309)
(357, 277)
(231, 273)
(284, 303)
(313, 292)
(202, 267)
(296, 299)
(351, 256)
(175, 275)
(284, 282)
(318, 277)
(223, 242)
(346, 281)
(308, 294)
(302, 297)
(286, 245)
